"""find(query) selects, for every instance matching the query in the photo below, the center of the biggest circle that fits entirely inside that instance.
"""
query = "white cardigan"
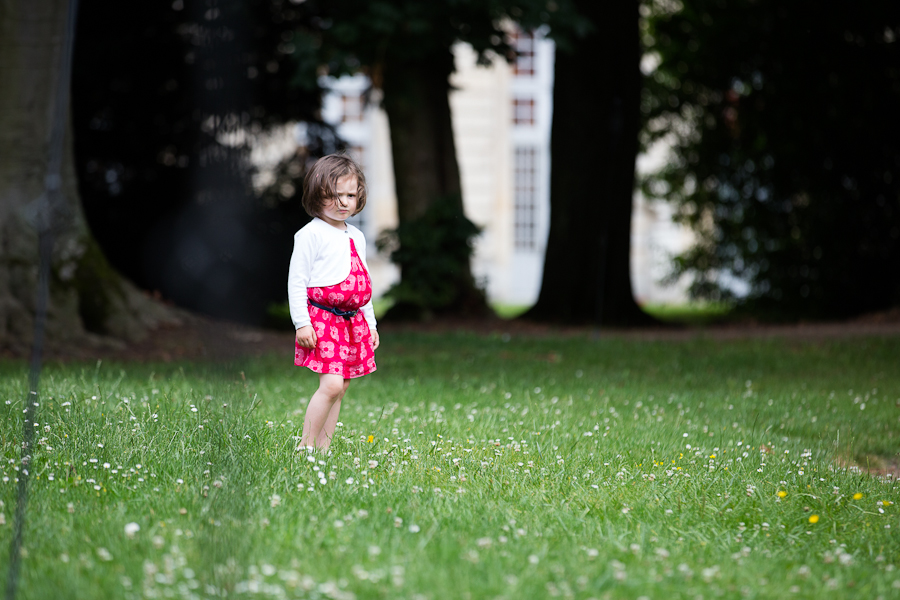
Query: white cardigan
(321, 258)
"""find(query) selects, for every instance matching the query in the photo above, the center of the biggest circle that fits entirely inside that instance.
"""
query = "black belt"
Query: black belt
(347, 314)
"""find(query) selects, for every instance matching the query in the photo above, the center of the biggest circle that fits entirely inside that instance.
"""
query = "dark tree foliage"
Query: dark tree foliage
(405, 48)
(429, 250)
(594, 141)
(787, 148)
(165, 96)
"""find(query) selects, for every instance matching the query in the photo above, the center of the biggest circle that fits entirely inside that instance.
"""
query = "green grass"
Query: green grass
(698, 313)
(498, 468)
(509, 311)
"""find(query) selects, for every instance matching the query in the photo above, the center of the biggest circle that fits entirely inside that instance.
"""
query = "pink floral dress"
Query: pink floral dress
(343, 346)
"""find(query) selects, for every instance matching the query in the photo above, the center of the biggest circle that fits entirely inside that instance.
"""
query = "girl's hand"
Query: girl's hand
(306, 337)
(375, 340)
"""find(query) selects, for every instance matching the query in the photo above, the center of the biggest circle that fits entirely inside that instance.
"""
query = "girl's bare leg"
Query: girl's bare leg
(324, 401)
(327, 433)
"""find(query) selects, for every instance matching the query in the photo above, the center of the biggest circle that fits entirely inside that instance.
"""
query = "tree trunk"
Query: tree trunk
(87, 296)
(418, 108)
(594, 142)
(428, 182)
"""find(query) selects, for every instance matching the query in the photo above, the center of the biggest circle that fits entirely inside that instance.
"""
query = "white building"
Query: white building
(655, 238)
(501, 123)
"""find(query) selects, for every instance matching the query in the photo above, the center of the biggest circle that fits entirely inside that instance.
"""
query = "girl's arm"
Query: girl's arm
(369, 313)
(298, 277)
(368, 310)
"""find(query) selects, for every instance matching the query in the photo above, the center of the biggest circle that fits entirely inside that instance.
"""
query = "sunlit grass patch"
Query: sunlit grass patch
(468, 466)
(695, 313)
(509, 311)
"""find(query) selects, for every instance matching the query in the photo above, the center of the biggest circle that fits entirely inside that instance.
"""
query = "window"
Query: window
(525, 197)
(523, 44)
(358, 221)
(351, 108)
(523, 111)
(357, 153)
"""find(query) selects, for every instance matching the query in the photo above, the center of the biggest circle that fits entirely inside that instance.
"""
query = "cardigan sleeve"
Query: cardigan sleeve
(298, 276)
(368, 309)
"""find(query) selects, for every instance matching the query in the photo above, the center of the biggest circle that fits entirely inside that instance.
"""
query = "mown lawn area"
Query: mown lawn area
(469, 467)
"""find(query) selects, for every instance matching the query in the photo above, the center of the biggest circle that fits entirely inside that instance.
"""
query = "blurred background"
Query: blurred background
(563, 161)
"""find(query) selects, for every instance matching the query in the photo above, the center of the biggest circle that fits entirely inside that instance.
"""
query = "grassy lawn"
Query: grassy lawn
(469, 467)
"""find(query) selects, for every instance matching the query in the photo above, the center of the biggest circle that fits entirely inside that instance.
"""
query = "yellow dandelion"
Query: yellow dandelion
(886, 502)
(712, 455)
(813, 518)
(371, 439)
(857, 496)
(782, 494)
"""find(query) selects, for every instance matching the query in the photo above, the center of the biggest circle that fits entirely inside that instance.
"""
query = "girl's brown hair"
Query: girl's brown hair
(321, 180)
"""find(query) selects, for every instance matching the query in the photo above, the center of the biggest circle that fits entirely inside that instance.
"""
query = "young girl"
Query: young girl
(330, 293)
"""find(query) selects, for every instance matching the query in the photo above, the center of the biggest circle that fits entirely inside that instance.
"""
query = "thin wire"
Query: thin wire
(49, 210)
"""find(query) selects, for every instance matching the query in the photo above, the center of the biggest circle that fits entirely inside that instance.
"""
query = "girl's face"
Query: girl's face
(344, 205)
